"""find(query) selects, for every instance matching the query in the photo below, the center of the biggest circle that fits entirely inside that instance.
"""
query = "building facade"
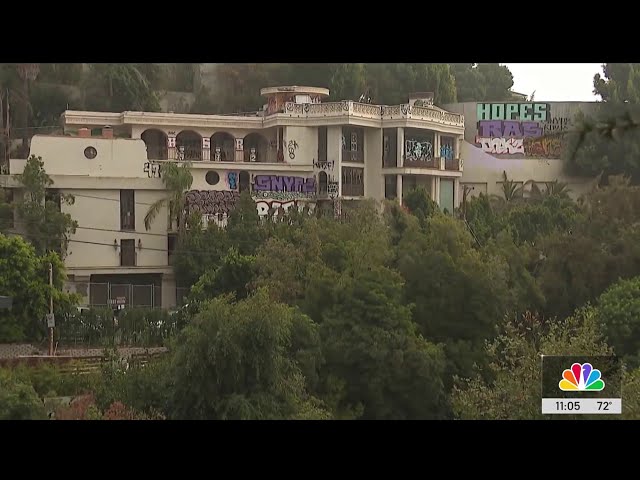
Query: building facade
(520, 139)
(297, 152)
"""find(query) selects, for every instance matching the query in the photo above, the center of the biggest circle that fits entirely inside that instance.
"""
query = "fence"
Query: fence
(105, 294)
(129, 327)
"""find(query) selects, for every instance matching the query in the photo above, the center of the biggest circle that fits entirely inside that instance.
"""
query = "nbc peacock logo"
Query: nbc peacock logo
(581, 378)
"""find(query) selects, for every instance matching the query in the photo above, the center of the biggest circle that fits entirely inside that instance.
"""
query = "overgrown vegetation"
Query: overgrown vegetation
(396, 316)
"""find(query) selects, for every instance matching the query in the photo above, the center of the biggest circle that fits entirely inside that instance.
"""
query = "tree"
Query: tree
(618, 311)
(234, 276)
(607, 141)
(24, 276)
(243, 227)
(420, 204)
(373, 349)
(177, 181)
(242, 361)
(119, 87)
(198, 252)
(514, 391)
(40, 210)
(18, 400)
(391, 83)
(482, 82)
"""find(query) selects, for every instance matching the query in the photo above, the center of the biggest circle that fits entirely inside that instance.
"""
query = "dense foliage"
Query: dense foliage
(410, 314)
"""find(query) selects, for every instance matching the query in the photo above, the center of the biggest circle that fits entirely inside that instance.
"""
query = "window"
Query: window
(322, 144)
(352, 182)
(390, 187)
(127, 210)
(128, 253)
(390, 147)
(172, 242)
(352, 144)
(52, 195)
(91, 152)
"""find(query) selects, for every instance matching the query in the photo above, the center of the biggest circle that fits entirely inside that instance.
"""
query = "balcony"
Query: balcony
(352, 190)
(348, 108)
(452, 164)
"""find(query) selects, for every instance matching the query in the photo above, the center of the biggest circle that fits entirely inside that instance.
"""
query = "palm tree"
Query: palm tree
(177, 180)
(510, 190)
(553, 189)
(557, 189)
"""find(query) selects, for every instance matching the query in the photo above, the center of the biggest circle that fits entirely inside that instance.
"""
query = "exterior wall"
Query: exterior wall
(373, 179)
(98, 215)
(510, 138)
(301, 145)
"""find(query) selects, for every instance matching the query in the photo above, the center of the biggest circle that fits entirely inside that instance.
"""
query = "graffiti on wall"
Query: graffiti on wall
(266, 206)
(232, 180)
(292, 146)
(520, 129)
(211, 203)
(323, 164)
(501, 146)
(152, 169)
(278, 183)
(418, 151)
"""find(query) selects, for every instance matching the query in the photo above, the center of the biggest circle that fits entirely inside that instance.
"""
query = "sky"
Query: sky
(555, 82)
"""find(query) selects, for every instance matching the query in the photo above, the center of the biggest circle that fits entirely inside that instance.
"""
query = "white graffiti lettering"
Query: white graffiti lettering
(264, 207)
(501, 146)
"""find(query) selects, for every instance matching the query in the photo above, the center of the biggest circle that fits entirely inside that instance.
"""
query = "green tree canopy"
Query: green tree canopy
(39, 209)
(24, 276)
(245, 361)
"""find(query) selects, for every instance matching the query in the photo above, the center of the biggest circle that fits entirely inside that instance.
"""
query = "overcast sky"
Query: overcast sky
(555, 82)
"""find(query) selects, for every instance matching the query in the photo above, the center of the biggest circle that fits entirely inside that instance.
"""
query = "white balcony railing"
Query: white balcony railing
(363, 110)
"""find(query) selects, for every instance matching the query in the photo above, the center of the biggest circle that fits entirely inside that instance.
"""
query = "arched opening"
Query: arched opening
(244, 182)
(189, 146)
(256, 148)
(156, 142)
(222, 147)
(323, 183)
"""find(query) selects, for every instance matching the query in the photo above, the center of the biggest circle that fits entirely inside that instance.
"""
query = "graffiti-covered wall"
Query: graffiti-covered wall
(272, 193)
(519, 129)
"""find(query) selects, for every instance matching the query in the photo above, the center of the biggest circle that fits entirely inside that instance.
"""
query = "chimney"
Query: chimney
(84, 132)
(107, 132)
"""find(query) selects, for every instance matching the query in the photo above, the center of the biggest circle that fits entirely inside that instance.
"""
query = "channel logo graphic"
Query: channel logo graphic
(581, 378)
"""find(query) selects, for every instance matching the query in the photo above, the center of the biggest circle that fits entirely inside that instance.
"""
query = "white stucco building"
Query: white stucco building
(297, 151)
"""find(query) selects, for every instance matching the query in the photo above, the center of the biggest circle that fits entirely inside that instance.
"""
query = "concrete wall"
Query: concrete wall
(513, 138)
(98, 215)
(304, 147)
(373, 179)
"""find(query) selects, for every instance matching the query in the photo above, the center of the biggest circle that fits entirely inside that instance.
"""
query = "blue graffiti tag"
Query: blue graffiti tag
(232, 178)
(446, 151)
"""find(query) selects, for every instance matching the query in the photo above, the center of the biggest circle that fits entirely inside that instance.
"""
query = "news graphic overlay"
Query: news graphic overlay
(585, 385)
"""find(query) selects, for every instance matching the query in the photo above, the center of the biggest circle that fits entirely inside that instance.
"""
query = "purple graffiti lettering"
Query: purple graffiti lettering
(531, 129)
(490, 128)
(276, 183)
(262, 182)
(508, 128)
(511, 129)
(288, 182)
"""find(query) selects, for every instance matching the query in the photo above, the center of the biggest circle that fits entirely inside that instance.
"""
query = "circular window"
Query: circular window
(212, 178)
(90, 153)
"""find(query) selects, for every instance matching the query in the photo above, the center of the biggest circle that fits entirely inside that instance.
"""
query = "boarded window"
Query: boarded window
(128, 253)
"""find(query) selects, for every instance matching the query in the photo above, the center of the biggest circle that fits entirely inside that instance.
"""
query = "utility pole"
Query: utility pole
(51, 324)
